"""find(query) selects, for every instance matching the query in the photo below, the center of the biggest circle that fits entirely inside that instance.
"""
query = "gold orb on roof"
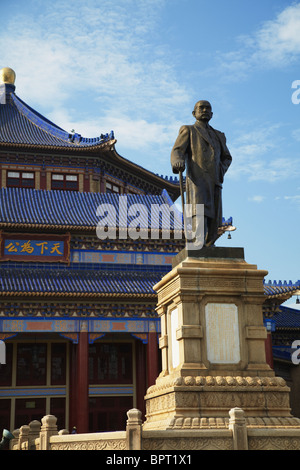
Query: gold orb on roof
(7, 75)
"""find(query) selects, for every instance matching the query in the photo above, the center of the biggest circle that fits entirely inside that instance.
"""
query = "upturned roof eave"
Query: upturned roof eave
(67, 148)
(119, 295)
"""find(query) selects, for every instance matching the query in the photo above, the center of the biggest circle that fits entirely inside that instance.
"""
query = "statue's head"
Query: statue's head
(203, 111)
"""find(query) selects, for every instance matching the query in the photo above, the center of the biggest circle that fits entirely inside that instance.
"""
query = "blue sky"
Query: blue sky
(138, 66)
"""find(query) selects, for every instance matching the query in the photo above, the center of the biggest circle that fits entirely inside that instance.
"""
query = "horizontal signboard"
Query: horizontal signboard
(35, 247)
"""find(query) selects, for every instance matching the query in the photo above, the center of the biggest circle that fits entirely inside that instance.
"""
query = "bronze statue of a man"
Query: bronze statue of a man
(203, 152)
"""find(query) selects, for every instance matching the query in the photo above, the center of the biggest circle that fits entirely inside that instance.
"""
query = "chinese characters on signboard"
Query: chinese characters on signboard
(32, 247)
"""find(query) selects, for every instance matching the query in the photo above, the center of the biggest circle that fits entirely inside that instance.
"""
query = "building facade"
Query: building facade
(77, 306)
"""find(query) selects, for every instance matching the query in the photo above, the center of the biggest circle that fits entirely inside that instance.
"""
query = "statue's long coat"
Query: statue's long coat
(207, 159)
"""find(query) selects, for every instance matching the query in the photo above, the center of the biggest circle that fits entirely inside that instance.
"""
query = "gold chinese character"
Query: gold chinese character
(43, 246)
(11, 247)
(27, 247)
(55, 249)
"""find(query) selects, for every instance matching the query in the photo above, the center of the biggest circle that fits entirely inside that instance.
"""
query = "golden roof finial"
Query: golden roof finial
(7, 75)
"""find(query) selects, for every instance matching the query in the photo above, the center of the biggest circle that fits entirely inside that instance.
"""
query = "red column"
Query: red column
(102, 183)
(73, 387)
(43, 180)
(86, 182)
(82, 405)
(141, 385)
(269, 350)
(152, 358)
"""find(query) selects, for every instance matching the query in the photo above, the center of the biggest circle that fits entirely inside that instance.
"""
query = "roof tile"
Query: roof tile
(26, 206)
(77, 282)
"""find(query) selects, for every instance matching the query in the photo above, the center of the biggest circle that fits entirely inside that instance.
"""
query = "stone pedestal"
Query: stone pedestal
(213, 346)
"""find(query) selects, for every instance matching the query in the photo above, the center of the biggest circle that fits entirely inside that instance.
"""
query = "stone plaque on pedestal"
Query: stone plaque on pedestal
(222, 332)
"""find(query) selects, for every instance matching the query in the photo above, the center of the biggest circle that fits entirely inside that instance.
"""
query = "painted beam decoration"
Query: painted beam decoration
(34, 247)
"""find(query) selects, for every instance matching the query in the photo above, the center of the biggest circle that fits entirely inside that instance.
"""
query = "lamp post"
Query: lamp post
(6, 437)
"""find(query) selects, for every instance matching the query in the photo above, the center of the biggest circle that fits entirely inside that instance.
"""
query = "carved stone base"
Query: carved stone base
(203, 402)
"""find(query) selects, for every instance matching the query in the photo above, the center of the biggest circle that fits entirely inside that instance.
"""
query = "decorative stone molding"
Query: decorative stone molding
(217, 381)
(88, 442)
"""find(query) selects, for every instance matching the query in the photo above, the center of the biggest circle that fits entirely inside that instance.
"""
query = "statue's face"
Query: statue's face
(202, 111)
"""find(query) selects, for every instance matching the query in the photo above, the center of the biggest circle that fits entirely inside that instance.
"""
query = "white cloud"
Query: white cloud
(257, 155)
(90, 67)
(256, 198)
(278, 41)
(133, 134)
(98, 54)
(296, 134)
(275, 45)
(295, 199)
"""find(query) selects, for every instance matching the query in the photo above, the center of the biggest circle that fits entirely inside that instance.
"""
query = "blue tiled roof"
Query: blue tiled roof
(78, 282)
(100, 281)
(288, 318)
(66, 209)
(282, 352)
(21, 125)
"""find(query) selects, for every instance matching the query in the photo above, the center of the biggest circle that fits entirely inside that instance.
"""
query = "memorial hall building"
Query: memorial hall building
(77, 307)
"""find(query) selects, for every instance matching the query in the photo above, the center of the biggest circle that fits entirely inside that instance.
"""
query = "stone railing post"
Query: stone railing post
(134, 430)
(48, 429)
(237, 424)
(34, 432)
(63, 432)
(23, 437)
(13, 445)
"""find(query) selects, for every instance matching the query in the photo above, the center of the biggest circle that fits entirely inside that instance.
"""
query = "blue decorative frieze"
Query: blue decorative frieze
(38, 392)
(121, 257)
(65, 327)
(118, 390)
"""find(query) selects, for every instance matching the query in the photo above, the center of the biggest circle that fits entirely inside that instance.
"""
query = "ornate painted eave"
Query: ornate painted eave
(281, 290)
(278, 292)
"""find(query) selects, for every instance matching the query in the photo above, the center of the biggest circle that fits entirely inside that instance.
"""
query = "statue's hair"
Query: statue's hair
(201, 101)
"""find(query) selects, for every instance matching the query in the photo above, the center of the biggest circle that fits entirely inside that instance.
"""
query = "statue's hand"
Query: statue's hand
(178, 167)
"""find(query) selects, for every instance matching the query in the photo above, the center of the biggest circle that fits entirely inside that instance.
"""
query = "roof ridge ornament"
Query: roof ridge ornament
(7, 76)
(7, 84)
